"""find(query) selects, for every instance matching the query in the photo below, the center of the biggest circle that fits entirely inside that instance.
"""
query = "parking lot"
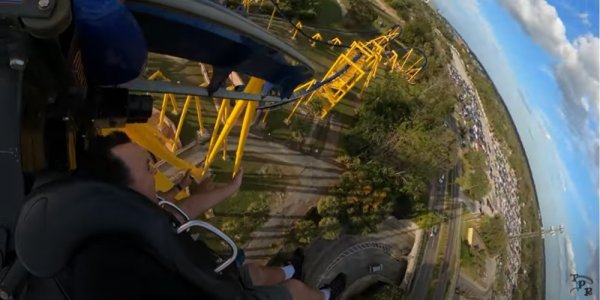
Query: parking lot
(503, 197)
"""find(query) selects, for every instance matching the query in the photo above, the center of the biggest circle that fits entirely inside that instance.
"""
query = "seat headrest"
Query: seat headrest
(60, 216)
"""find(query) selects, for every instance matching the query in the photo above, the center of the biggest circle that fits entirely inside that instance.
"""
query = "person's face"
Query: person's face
(141, 168)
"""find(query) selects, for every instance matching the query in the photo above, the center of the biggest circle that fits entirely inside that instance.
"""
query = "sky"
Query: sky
(543, 56)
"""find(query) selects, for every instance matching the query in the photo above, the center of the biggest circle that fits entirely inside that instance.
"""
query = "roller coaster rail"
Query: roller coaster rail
(360, 61)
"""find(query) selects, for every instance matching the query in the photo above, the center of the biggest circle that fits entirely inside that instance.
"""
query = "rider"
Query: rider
(115, 159)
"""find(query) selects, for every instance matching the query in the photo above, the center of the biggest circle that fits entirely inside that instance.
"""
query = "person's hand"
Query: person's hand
(184, 181)
(236, 183)
(187, 179)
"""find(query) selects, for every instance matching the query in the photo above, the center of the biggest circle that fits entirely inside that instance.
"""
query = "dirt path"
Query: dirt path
(314, 176)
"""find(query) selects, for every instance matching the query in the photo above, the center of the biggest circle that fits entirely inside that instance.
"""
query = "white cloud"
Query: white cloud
(584, 17)
(576, 71)
(547, 71)
(540, 20)
(561, 262)
(570, 256)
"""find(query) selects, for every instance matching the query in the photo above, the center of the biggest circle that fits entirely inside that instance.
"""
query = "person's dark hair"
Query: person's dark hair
(99, 163)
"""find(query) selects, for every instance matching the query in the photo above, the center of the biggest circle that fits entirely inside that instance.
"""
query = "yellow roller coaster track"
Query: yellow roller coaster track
(356, 66)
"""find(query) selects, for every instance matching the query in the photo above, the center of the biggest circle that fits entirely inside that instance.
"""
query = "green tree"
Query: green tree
(363, 198)
(404, 128)
(428, 220)
(494, 234)
(329, 206)
(330, 228)
(361, 11)
(403, 7)
(302, 9)
(389, 292)
(474, 180)
(306, 231)
(418, 31)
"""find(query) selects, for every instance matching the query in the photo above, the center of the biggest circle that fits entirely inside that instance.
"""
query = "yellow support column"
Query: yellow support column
(186, 106)
(163, 110)
(316, 37)
(413, 70)
(225, 116)
(413, 75)
(405, 58)
(211, 153)
(271, 18)
(373, 72)
(254, 86)
(174, 104)
(264, 118)
(248, 117)
(306, 87)
(335, 41)
(213, 136)
(297, 27)
(199, 115)
(159, 74)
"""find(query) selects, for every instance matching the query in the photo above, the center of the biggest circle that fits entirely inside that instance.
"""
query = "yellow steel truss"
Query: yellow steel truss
(302, 87)
(166, 97)
(358, 64)
(151, 139)
(218, 137)
(188, 100)
(392, 60)
(172, 144)
(360, 60)
(410, 67)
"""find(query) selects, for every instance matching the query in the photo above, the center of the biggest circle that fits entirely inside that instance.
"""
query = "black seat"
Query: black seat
(88, 240)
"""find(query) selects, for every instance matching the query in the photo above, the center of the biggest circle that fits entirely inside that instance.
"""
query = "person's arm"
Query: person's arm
(170, 194)
(197, 204)
(180, 183)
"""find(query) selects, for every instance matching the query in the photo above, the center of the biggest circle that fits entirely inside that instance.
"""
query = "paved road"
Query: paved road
(449, 264)
(423, 275)
(450, 255)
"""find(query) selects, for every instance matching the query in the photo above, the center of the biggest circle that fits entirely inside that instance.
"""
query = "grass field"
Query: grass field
(471, 262)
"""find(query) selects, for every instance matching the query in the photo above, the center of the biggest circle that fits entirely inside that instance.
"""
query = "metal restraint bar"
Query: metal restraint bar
(234, 250)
